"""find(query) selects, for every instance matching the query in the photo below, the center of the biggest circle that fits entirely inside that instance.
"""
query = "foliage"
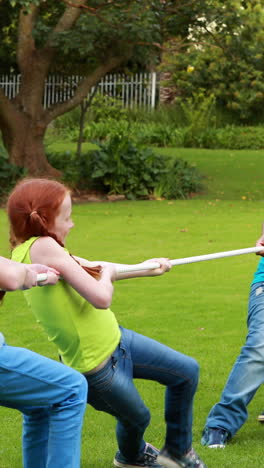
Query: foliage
(121, 167)
(9, 173)
(181, 181)
(164, 134)
(104, 107)
(96, 30)
(117, 166)
(229, 137)
(198, 111)
(69, 121)
(234, 138)
(229, 61)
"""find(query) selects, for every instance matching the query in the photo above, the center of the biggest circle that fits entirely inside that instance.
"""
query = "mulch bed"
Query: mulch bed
(79, 196)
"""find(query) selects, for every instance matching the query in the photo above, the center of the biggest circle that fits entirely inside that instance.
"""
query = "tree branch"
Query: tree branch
(83, 88)
(69, 17)
(65, 22)
(218, 43)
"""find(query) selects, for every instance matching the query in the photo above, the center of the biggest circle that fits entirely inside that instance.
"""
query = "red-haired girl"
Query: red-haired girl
(51, 397)
(76, 316)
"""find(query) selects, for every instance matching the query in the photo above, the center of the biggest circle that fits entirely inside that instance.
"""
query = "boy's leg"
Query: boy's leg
(53, 399)
(247, 373)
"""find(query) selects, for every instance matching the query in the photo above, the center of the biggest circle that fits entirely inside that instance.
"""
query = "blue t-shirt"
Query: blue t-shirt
(259, 274)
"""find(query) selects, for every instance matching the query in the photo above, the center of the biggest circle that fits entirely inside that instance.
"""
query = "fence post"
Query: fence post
(153, 89)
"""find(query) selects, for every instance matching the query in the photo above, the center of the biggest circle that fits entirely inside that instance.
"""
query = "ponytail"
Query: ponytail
(32, 208)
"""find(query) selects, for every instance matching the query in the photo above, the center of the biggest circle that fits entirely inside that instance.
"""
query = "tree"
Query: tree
(224, 58)
(89, 37)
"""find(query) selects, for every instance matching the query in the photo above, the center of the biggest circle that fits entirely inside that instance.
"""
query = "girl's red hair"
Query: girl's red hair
(32, 208)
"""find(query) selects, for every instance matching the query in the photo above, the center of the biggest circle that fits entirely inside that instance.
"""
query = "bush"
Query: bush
(101, 109)
(229, 137)
(181, 181)
(239, 138)
(119, 166)
(9, 174)
(104, 107)
(191, 123)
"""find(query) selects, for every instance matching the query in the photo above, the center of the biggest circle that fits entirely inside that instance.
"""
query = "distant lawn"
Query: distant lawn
(229, 174)
(62, 145)
(199, 309)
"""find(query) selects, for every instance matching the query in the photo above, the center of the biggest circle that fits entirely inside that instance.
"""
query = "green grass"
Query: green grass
(62, 145)
(229, 175)
(199, 309)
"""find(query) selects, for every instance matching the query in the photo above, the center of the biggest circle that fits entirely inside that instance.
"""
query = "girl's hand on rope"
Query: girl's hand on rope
(31, 272)
(165, 265)
(109, 270)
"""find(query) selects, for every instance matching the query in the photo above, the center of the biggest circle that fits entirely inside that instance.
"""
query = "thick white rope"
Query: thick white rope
(178, 261)
(183, 261)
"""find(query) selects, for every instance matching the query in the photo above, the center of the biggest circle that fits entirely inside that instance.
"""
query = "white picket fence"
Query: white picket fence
(138, 90)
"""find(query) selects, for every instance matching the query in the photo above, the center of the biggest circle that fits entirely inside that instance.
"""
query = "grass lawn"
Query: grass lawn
(199, 309)
(228, 174)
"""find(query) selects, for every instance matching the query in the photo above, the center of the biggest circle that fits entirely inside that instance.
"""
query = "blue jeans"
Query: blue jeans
(248, 372)
(52, 398)
(112, 390)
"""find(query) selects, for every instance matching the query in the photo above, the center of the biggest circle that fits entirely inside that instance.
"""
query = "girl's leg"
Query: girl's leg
(112, 390)
(53, 400)
(179, 373)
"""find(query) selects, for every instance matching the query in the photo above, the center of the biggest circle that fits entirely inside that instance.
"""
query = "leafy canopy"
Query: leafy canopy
(102, 27)
(224, 57)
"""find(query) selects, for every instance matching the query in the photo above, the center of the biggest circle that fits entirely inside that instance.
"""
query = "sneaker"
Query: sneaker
(260, 418)
(148, 459)
(188, 460)
(214, 437)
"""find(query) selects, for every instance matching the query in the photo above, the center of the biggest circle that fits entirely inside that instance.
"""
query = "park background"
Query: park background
(185, 170)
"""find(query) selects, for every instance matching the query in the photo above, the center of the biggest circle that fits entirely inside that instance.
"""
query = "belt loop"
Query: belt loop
(2, 340)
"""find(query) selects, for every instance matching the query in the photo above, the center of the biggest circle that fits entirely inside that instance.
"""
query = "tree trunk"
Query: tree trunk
(23, 119)
(24, 143)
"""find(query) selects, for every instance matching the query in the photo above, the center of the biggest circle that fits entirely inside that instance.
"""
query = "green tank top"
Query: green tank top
(84, 336)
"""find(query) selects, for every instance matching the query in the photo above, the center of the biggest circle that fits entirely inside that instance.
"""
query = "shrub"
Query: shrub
(119, 166)
(229, 137)
(181, 181)
(239, 137)
(69, 120)
(104, 107)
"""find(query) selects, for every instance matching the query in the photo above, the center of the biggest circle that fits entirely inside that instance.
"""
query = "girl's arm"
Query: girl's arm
(15, 275)
(165, 265)
(98, 292)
